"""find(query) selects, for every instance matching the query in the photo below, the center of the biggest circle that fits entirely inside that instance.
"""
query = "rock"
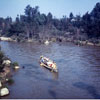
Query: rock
(97, 45)
(23, 67)
(29, 40)
(0, 84)
(7, 70)
(4, 92)
(46, 42)
(5, 39)
(16, 67)
(84, 42)
(91, 44)
(53, 39)
(7, 62)
(7, 79)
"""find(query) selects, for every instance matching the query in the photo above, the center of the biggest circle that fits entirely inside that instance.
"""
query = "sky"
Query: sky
(57, 7)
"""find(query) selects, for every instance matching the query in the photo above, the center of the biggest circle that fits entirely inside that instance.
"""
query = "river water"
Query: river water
(78, 76)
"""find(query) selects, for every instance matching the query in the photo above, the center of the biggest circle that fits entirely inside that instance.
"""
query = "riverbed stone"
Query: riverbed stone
(16, 67)
(4, 92)
(6, 62)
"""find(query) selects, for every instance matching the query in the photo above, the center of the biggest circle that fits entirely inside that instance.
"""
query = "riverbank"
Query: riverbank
(6, 70)
(89, 42)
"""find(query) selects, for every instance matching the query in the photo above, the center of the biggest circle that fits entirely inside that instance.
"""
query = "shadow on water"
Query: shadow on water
(54, 74)
(89, 88)
(52, 93)
(33, 71)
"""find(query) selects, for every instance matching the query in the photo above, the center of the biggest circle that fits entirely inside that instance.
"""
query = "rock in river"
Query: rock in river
(6, 62)
(16, 67)
(4, 92)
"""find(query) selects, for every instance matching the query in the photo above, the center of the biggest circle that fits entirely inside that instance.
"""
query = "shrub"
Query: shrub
(6, 58)
(1, 56)
(18, 40)
(1, 60)
(10, 81)
(15, 64)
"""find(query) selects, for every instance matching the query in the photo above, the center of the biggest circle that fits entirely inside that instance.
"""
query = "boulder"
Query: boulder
(6, 62)
(5, 39)
(4, 92)
(90, 43)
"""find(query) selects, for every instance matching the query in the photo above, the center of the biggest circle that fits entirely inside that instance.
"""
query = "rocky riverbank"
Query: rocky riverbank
(6, 69)
(91, 42)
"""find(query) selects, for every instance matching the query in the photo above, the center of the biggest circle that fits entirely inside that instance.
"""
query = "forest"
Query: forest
(35, 25)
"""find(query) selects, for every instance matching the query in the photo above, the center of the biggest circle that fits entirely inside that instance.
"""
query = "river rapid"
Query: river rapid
(78, 76)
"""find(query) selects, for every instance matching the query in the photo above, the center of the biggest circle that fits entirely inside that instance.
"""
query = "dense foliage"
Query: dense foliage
(34, 24)
(1, 60)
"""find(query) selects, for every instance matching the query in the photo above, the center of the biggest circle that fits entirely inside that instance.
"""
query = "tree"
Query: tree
(71, 16)
(49, 17)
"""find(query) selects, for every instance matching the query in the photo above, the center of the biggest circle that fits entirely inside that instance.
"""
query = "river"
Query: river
(78, 76)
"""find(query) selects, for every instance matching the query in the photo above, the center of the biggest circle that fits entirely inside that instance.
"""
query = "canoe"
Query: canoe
(53, 68)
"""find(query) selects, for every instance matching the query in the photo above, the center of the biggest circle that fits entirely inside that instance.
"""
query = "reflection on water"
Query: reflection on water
(55, 75)
(78, 76)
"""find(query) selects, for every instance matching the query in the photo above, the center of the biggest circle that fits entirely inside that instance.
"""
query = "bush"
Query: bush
(1, 60)
(18, 40)
(1, 68)
(1, 55)
(10, 81)
(6, 58)
(15, 64)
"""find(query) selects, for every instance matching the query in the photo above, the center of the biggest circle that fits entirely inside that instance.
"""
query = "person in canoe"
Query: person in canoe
(44, 60)
(47, 63)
